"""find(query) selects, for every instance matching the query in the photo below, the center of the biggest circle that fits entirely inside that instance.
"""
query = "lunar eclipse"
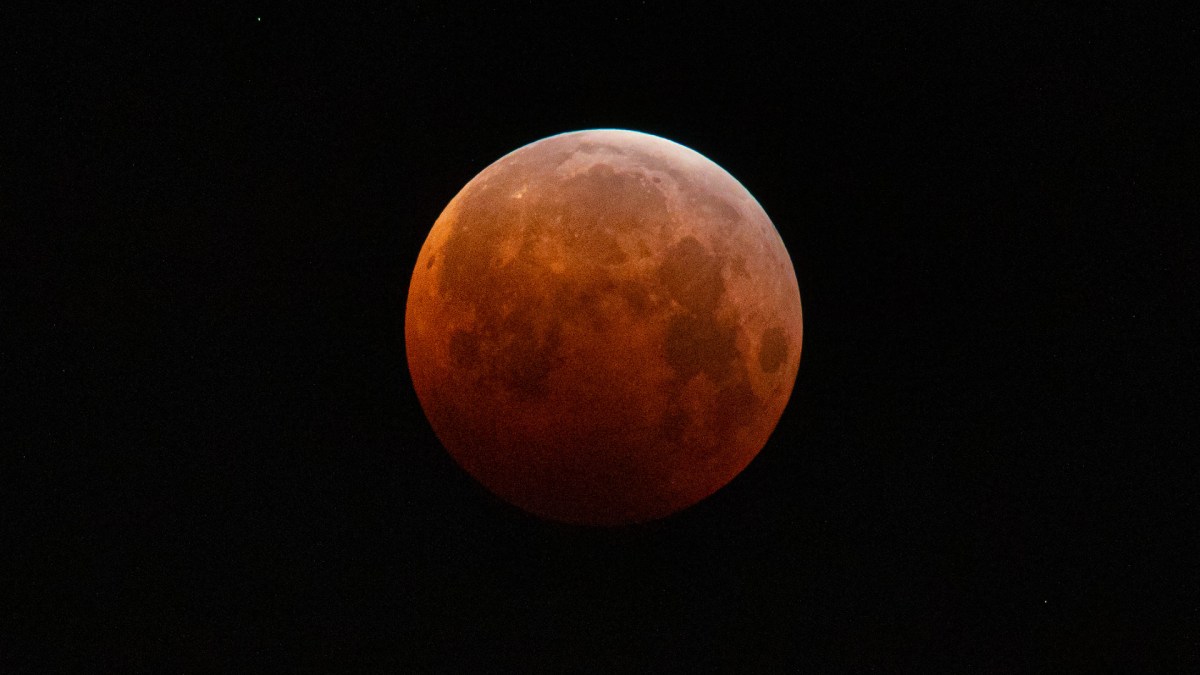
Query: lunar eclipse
(603, 327)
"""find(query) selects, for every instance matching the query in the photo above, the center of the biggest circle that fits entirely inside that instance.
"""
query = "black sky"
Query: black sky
(221, 462)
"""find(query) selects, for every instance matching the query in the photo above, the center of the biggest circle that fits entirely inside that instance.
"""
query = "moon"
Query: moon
(603, 327)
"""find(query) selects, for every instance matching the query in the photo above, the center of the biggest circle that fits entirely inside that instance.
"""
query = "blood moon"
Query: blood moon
(603, 327)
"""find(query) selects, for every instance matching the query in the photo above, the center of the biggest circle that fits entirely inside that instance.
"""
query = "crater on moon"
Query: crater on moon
(603, 327)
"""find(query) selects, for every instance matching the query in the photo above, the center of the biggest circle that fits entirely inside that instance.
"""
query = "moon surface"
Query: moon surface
(603, 327)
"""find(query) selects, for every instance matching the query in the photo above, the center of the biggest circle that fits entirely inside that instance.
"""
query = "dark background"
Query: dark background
(223, 464)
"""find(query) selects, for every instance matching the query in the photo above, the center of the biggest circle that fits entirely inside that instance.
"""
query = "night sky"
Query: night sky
(222, 465)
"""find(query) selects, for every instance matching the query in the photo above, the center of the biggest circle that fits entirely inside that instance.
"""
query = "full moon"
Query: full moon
(603, 327)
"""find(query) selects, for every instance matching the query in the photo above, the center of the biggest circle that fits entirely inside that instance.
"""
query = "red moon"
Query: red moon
(603, 327)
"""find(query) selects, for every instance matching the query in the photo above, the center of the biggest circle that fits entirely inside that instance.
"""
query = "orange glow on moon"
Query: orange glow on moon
(603, 327)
